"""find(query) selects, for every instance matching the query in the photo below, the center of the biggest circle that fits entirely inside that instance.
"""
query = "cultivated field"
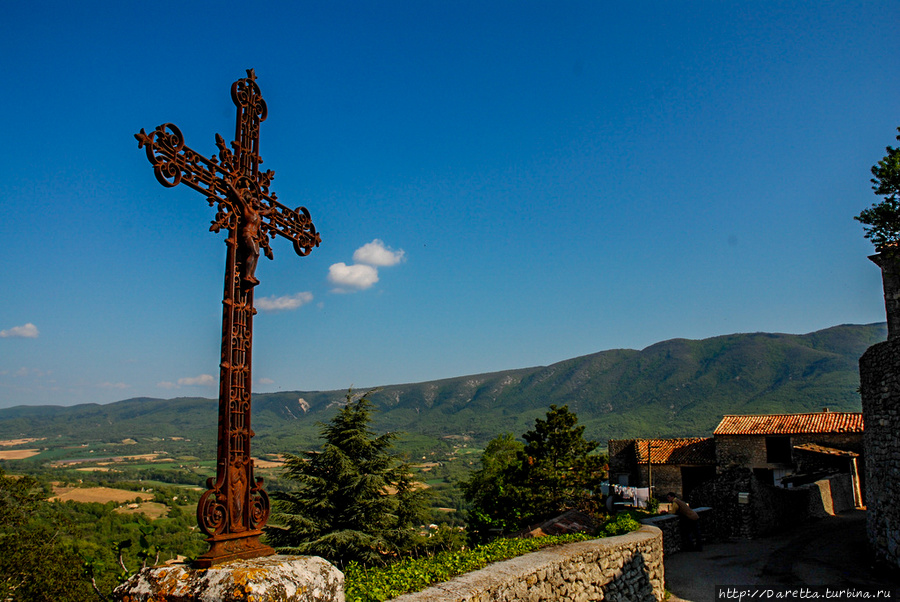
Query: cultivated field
(152, 510)
(100, 495)
(18, 454)
(12, 442)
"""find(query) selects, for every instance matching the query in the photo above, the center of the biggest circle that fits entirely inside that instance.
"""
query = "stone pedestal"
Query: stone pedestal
(269, 579)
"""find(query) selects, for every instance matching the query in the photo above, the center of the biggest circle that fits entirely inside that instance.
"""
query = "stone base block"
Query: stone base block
(269, 579)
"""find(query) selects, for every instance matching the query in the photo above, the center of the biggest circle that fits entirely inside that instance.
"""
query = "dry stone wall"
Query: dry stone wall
(674, 540)
(879, 376)
(623, 568)
(627, 568)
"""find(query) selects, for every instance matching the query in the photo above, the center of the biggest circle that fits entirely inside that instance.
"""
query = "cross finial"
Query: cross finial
(251, 74)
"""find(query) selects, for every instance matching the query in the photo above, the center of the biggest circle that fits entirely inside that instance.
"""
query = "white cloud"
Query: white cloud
(32, 372)
(108, 385)
(204, 380)
(265, 381)
(364, 273)
(283, 303)
(28, 331)
(352, 277)
(375, 253)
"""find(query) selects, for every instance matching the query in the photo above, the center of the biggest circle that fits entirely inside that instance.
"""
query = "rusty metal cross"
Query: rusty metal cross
(234, 509)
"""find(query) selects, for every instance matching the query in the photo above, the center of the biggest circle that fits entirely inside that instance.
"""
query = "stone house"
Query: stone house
(677, 465)
(790, 449)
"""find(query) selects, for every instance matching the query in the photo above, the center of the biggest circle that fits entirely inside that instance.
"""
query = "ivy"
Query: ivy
(363, 584)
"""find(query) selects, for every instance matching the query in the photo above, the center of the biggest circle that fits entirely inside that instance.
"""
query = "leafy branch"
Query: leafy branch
(881, 221)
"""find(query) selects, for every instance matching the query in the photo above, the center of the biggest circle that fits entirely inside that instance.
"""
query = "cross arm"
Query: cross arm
(176, 163)
(293, 224)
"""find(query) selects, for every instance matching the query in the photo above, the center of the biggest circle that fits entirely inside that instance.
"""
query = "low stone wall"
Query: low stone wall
(626, 567)
(746, 508)
(830, 496)
(670, 525)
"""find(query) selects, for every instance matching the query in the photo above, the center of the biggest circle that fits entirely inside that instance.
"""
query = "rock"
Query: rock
(268, 579)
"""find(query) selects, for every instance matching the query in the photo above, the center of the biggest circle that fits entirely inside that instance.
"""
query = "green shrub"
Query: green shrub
(621, 524)
(415, 574)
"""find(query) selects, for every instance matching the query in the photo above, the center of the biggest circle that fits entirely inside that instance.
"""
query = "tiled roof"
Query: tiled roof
(694, 450)
(790, 424)
(821, 449)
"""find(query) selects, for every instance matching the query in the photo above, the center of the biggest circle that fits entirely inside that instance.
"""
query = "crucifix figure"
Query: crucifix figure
(234, 509)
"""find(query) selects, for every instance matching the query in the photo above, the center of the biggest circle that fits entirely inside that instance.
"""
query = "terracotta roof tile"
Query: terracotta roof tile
(789, 424)
(821, 449)
(694, 450)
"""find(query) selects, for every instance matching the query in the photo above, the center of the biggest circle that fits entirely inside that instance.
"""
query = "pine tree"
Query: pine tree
(558, 472)
(881, 221)
(356, 501)
(518, 485)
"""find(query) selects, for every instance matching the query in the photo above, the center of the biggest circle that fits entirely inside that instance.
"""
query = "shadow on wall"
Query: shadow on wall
(745, 508)
(625, 586)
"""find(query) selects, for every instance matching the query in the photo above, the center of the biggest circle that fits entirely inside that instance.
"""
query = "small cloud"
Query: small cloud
(28, 331)
(265, 381)
(283, 303)
(352, 277)
(30, 372)
(108, 385)
(204, 380)
(375, 253)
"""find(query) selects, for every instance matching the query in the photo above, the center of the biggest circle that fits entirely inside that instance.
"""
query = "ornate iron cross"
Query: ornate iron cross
(234, 509)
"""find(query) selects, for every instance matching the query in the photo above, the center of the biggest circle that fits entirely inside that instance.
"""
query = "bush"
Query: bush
(621, 524)
(415, 574)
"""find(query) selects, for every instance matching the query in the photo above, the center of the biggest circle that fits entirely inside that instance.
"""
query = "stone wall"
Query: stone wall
(666, 478)
(673, 537)
(745, 508)
(879, 376)
(626, 567)
(750, 450)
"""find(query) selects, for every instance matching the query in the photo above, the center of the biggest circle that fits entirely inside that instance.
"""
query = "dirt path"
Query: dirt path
(832, 551)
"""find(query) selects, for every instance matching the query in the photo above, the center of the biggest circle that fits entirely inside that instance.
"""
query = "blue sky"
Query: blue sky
(497, 184)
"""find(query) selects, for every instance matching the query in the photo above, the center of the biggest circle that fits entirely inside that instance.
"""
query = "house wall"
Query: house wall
(749, 451)
(622, 460)
(879, 375)
(666, 478)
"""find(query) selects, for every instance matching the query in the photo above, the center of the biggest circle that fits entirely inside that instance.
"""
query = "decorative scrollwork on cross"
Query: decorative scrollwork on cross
(235, 507)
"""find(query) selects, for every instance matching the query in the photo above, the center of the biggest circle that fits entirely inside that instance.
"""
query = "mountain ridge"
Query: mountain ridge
(678, 387)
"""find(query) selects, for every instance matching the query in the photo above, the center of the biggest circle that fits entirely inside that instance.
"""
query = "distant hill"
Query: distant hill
(674, 388)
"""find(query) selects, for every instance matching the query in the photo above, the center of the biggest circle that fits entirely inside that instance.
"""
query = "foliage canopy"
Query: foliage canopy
(356, 500)
(34, 564)
(881, 221)
(519, 484)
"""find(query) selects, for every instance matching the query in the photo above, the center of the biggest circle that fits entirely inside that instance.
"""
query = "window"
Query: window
(778, 450)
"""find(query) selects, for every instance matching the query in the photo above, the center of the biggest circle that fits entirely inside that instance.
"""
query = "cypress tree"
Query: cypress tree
(355, 502)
